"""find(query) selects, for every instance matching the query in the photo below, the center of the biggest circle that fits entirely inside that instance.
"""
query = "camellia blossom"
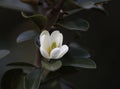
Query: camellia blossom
(51, 45)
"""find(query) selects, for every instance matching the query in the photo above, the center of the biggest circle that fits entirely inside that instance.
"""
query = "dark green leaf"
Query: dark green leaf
(38, 19)
(79, 62)
(78, 57)
(32, 80)
(73, 22)
(22, 64)
(51, 66)
(77, 52)
(16, 4)
(27, 35)
(4, 53)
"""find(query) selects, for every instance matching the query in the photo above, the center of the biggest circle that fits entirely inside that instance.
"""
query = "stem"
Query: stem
(54, 14)
(44, 74)
(38, 59)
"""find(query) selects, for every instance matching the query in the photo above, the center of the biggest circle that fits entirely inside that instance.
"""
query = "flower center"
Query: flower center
(53, 45)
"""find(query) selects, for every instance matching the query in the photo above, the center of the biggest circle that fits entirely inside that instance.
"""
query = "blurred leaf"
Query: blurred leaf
(51, 66)
(85, 4)
(17, 5)
(11, 79)
(77, 52)
(39, 19)
(79, 62)
(73, 22)
(22, 64)
(4, 53)
(69, 5)
(32, 80)
(32, 2)
(95, 1)
(27, 35)
(88, 4)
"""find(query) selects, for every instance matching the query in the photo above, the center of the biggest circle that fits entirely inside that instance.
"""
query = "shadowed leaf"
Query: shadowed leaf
(51, 66)
(77, 52)
(38, 19)
(11, 79)
(22, 64)
(32, 80)
(80, 62)
(73, 22)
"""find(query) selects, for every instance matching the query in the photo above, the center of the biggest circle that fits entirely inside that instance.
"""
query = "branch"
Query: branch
(54, 14)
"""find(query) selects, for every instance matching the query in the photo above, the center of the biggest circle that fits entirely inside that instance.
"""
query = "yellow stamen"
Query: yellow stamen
(54, 45)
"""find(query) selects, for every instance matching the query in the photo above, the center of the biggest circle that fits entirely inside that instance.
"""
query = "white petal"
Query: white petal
(45, 32)
(63, 50)
(44, 53)
(54, 53)
(45, 41)
(58, 37)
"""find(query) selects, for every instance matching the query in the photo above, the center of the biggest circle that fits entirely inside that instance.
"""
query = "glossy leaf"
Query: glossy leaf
(38, 19)
(27, 35)
(77, 52)
(17, 5)
(32, 80)
(22, 64)
(51, 66)
(73, 22)
(4, 53)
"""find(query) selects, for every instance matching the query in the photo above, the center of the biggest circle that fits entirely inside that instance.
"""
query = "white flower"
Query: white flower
(51, 45)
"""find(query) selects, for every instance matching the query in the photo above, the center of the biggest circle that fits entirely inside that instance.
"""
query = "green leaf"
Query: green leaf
(17, 5)
(78, 57)
(32, 80)
(27, 35)
(38, 19)
(51, 66)
(77, 52)
(73, 22)
(80, 62)
(22, 64)
(4, 53)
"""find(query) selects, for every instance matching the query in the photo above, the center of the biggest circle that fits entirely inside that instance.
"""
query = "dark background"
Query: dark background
(102, 40)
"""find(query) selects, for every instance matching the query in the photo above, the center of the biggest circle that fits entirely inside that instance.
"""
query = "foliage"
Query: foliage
(49, 15)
